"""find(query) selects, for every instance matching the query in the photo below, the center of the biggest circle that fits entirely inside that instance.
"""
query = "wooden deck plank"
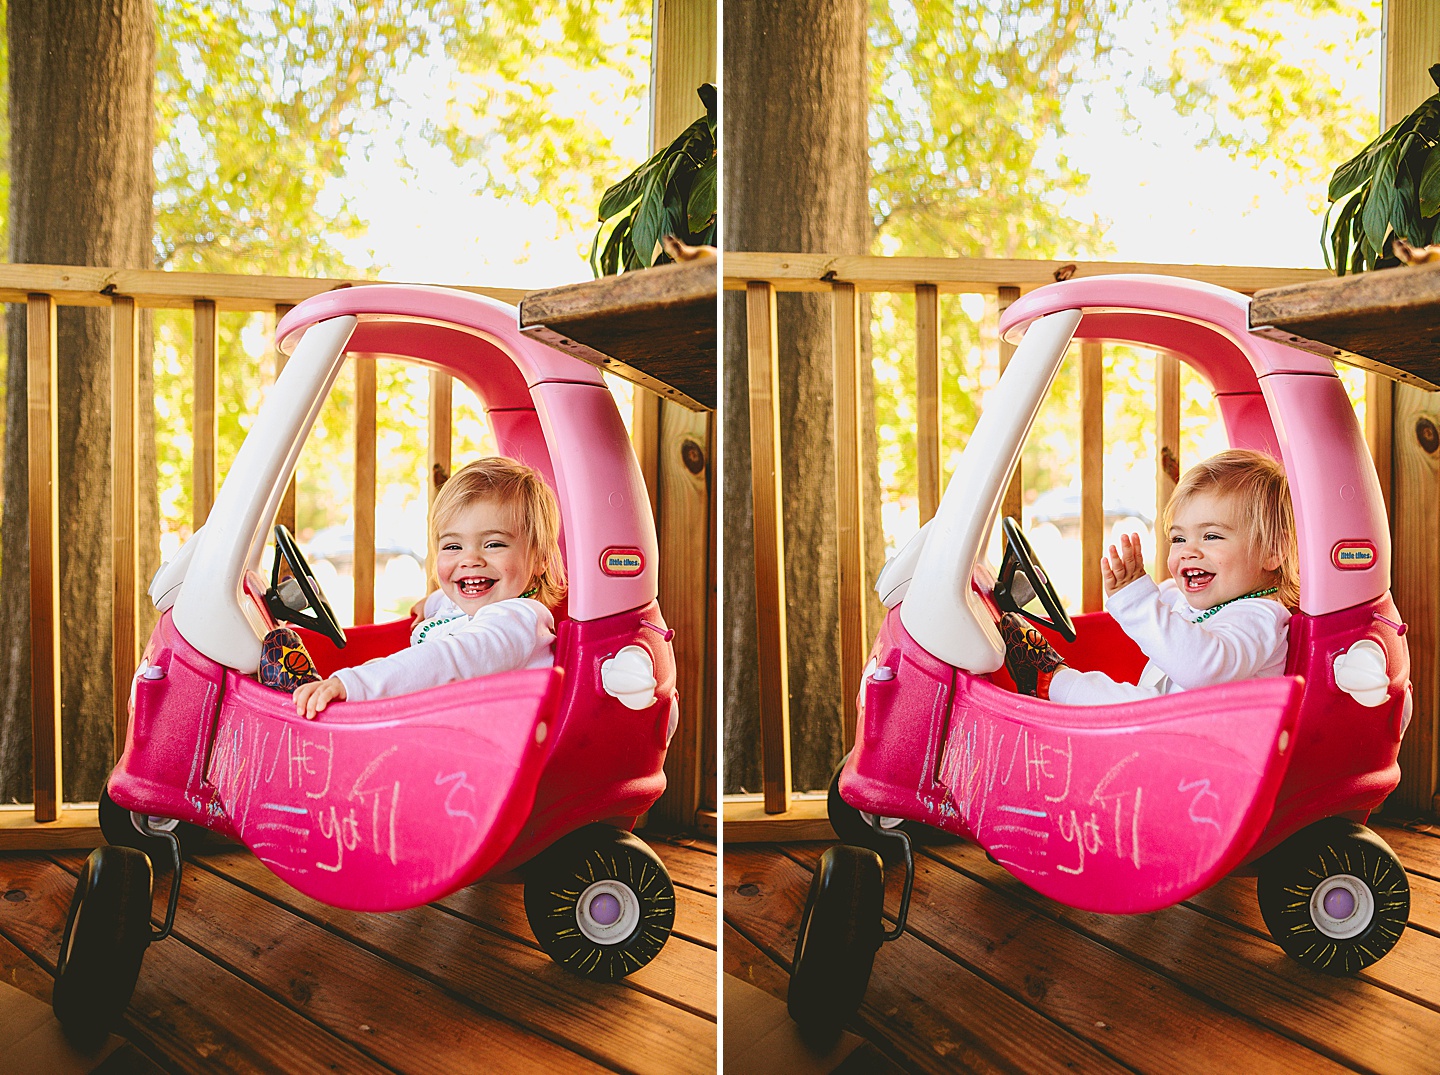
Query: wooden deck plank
(1342, 1018)
(935, 1016)
(623, 1028)
(187, 1013)
(688, 864)
(1136, 1015)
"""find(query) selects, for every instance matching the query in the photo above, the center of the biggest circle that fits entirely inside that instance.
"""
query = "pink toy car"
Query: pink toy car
(1130, 808)
(393, 803)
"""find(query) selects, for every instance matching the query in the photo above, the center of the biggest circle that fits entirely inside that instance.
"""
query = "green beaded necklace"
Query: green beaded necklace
(1211, 611)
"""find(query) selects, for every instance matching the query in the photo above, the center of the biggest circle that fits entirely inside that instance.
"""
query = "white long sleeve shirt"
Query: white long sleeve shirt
(449, 646)
(1245, 639)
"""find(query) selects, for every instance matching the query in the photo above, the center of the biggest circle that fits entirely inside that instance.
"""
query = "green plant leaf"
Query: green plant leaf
(701, 208)
(1379, 205)
(1353, 172)
(625, 193)
(650, 214)
(1430, 183)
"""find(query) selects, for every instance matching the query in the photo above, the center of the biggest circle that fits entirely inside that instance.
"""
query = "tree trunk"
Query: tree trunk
(796, 171)
(81, 181)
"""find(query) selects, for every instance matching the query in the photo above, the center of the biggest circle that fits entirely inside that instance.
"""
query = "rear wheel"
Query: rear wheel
(104, 943)
(118, 827)
(600, 902)
(1334, 896)
(840, 932)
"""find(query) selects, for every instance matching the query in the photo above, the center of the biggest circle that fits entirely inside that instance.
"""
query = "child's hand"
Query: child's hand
(417, 612)
(312, 698)
(1122, 567)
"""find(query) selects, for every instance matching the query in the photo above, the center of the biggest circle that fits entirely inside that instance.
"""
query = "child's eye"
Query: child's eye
(1176, 539)
(450, 547)
(495, 544)
(1214, 537)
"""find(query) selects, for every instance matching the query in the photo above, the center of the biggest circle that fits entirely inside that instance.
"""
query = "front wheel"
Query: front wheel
(600, 902)
(1334, 896)
(104, 943)
(840, 932)
(118, 827)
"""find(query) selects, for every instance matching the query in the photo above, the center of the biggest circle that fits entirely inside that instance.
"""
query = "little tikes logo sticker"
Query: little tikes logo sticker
(1353, 555)
(622, 562)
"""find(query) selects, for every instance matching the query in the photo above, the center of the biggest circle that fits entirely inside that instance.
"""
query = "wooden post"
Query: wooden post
(929, 461)
(125, 522)
(1013, 502)
(205, 416)
(42, 432)
(674, 445)
(286, 513)
(772, 673)
(685, 474)
(1092, 473)
(1167, 447)
(849, 492)
(363, 569)
(1412, 43)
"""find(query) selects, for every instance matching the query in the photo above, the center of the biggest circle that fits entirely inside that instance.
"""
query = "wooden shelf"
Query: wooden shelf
(1387, 322)
(654, 327)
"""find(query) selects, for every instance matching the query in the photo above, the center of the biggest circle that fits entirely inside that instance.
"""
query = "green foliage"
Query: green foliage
(672, 193)
(516, 58)
(260, 107)
(966, 106)
(1265, 78)
(1389, 190)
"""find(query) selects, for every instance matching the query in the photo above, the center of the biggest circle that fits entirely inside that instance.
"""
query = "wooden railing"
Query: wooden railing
(761, 276)
(53, 823)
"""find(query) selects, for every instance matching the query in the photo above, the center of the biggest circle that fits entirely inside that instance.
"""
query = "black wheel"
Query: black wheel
(1334, 896)
(118, 827)
(840, 932)
(853, 826)
(600, 902)
(1022, 579)
(289, 599)
(104, 941)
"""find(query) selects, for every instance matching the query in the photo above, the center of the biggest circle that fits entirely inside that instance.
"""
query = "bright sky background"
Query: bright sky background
(428, 222)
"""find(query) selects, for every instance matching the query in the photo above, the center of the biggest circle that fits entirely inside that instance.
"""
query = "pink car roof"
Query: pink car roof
(1207, 324)
(451, 329)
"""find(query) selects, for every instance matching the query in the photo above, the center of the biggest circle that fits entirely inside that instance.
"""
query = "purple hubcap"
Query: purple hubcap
(1339, 903)
(605, 909)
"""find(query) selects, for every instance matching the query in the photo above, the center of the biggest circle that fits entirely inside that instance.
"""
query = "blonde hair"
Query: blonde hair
(506, 481)
(1257, 482)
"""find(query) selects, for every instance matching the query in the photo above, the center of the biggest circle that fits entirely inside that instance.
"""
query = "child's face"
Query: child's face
(482, 556)
(1212, 557)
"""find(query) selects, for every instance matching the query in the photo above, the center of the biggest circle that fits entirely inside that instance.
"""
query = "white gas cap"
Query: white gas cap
(630, 677)
(1360, 672)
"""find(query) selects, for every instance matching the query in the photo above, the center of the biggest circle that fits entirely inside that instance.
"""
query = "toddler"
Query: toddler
(494, 539)
(1223, 613)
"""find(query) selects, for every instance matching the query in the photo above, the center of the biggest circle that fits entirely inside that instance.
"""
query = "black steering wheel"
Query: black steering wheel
(288, 600)
(1022, 579)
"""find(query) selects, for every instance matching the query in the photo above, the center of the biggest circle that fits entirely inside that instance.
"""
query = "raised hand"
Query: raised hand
(1122, 566)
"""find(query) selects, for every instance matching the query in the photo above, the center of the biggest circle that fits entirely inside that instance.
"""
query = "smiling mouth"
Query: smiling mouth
(474, 587)
(1195, 580)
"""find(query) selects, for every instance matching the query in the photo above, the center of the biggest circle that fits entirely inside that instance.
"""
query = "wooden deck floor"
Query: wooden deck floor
(991, 977)
(261, 979)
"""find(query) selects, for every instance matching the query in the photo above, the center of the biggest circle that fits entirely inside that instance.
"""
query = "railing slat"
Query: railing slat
(850, 494)
(772, 673)
(1092, 472)
(125, 523)
(1380, 434)
(206, 411)
(40, 327)
(645, 439)
(1013, 502)
(927, 392)
(363, 569)
(285, 515)
(1167, 448)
